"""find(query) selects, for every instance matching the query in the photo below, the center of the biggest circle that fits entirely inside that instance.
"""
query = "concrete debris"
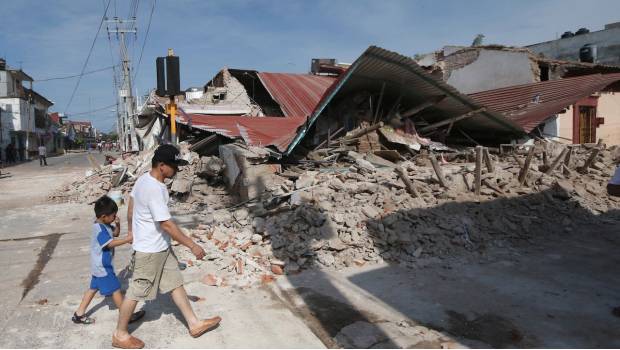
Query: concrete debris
(352, 213)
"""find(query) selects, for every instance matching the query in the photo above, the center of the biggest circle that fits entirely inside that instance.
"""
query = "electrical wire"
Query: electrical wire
(92, 46)
(91, 111)
(146, 36)
(75, 75)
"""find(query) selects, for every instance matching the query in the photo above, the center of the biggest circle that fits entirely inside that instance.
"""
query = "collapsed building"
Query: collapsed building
(442, 102)
(368, 163)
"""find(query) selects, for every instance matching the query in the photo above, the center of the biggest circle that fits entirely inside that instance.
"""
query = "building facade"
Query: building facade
(24, 120)
(601, 46)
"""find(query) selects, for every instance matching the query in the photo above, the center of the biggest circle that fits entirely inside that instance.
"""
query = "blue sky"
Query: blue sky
(52, 38)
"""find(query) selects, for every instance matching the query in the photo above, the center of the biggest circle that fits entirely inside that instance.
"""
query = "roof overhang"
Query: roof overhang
(20, 75)
(403, 76)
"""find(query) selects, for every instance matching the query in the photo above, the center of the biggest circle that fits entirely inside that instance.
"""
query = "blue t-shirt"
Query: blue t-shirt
(100, 254)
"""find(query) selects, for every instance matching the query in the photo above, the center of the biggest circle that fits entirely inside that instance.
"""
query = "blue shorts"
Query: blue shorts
(106, 285)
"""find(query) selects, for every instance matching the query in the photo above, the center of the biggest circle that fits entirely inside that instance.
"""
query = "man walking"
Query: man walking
(42, 155)
(155, 267)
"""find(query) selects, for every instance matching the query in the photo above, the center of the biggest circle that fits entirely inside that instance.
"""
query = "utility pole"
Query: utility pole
(126, 110)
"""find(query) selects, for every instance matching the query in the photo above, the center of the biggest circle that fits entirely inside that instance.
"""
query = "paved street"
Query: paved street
(560, 292)
(44, 255)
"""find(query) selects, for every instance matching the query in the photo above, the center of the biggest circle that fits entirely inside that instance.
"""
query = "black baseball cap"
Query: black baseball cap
(170, 155)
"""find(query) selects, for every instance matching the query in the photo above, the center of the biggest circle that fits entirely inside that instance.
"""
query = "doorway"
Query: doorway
(587, 124)
(585, 121)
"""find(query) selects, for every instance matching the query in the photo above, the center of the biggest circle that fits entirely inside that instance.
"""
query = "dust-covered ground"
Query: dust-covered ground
(552, 290)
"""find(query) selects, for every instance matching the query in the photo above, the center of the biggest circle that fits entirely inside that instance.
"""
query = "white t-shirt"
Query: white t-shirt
(615, 180)
(150, 206)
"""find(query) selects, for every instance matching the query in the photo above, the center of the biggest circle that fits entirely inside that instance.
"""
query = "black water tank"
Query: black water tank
(587, 53)
(568, 34)
(582, 31)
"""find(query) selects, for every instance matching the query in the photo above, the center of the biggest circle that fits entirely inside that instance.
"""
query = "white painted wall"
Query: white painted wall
(18, 112)
(565, 122)
(493, 69)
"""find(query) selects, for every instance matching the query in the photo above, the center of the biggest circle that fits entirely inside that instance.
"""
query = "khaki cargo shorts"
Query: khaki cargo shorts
(153, 271)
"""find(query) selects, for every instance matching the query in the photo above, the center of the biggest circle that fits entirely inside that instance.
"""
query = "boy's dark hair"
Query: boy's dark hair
(105, 206)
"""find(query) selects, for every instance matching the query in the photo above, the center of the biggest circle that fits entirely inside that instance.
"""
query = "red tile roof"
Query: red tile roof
(297, 94)
(530, 104)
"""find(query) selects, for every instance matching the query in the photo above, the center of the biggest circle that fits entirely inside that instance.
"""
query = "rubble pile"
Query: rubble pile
(200, 180)
(117, 176)
(357, 214)
(360, 208)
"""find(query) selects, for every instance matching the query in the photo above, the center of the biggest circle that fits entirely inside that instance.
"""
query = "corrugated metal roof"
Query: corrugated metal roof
(297, 94)
(402, 75)
(530, 104)
(255, 131)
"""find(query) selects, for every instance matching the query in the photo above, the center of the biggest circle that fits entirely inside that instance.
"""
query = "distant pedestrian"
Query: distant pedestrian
(613, 187)
(155, 266)
(102, 246)
(42, 155)
(9, 152)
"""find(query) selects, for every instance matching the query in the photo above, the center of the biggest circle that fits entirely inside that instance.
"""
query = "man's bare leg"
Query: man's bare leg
(126, 310)
(117, 297)
(179, 296)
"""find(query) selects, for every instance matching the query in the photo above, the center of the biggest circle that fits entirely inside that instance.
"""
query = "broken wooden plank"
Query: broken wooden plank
(566, 164)
(489, 184)
(557, 161)
(416, 109)
(405, 177)
(207, 140)
(438, 172)
(328, 142)
(526, 167)
(584, 169)
(379, 103)
(468, 137)
(516, 158)
(478, 171)
(364, 131)
(451, 120)
(488, 161)
(391, 155)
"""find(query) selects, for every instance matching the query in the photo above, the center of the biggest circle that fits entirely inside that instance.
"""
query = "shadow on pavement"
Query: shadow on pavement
(438, 276)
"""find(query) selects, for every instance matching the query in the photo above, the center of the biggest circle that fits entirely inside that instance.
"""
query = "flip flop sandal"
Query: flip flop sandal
(136, 316)
(82, 319)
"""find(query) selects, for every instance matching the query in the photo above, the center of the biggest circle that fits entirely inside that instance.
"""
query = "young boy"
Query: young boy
(102, 246)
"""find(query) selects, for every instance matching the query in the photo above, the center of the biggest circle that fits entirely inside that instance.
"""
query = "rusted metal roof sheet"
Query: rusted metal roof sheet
(402, 75)
(530, 104)
(297, 94)
(255, 131)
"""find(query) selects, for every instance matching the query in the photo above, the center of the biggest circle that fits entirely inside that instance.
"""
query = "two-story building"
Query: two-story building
(80, 133)
(24, 120)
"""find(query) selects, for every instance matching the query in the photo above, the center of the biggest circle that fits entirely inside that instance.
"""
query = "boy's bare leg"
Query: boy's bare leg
(86, 299)
(179, 296)
(117, 297)
(125, 311)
